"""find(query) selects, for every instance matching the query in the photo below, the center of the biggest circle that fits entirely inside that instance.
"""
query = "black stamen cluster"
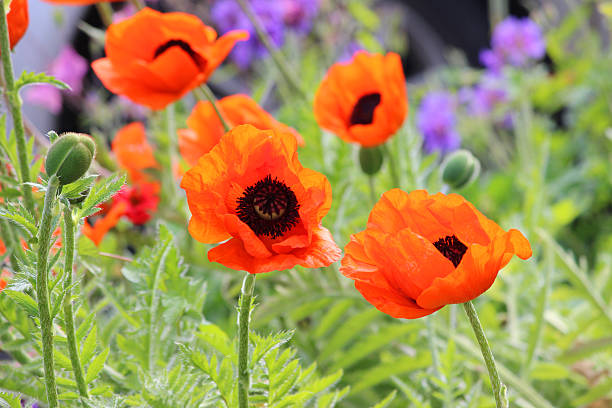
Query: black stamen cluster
(363, 112)
(451, 248)
(182, 45)
(268, 207)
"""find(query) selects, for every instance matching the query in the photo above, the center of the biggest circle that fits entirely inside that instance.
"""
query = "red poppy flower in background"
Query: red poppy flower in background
(252, 191)
(155, 58)
(205, 128)
(133, 151)
(140, 201)
(420, 252)
(17, 19)
(363, 101)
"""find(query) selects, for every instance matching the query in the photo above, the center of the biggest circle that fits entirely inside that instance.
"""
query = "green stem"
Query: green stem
(69, 249)
(372, 189)
(392, 166)
(105, 11)
(42, 293)
(243, 340)
(14, 103)
(499, 389)
(210, 96)
(276, 55)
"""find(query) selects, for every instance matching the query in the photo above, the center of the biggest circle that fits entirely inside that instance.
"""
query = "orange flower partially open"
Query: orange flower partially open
(252, 191)
(133, 151)
(17, 19)
(420, 252)
(155, 58)
(363, 101)
(205, 128)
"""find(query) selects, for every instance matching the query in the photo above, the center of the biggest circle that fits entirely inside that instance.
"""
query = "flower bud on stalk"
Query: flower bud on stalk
(370, 159)
(70, 156)
(460, 169)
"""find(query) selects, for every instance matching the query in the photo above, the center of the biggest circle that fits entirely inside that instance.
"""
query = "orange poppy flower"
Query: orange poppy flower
(420, 252)
(17, 19)
(155, 58)
(252, 191)
(100, 227)
(5, 276)
(205, 128)
(363, 101)
(2, 248)
(133, 151)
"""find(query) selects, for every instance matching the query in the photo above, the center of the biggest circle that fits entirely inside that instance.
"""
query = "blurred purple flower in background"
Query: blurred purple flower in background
(516, 41)
(228, 15)
(483, 98)
(436, 120)
(275, 16)
(68, 67)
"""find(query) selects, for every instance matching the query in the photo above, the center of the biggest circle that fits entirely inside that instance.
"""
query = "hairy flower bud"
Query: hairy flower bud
(370, 159)
(460, 168)
(70, 156)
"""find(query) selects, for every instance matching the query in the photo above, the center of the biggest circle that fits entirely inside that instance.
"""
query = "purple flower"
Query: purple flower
(299, 14)
(229, 16)
(516, 41)
(68, 67)
(484, 97)
(436, 120)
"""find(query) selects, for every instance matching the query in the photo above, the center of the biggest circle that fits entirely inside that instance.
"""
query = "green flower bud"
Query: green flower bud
(460, 168)
(70, 156)
(371, 159)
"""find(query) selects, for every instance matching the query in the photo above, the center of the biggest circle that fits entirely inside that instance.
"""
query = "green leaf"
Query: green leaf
(96, 366)
(549, 371)
(599, 391)
(348, 331)
(216, 338)
(100, 193)
(89, 346)
(30, 78)
(24, 300)
(403, 364)
(18, 215)
(9, 400)
(73, 190)
(385, 403)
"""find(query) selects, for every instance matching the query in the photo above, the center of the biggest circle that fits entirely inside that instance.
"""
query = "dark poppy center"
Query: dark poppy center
(269, 207)
(363, 112)
(183, 46)
(451, 248)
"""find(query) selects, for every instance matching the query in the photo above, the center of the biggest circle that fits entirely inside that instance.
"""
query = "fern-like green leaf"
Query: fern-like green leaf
(31, 78)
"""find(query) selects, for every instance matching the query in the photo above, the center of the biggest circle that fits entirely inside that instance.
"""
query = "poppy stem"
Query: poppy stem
(392, 166)
(14, 103)
(105, 11)
(244, 316)
(372, 189)
(69, 246)
(210, 96)
(277, 57)
(499, 389)
(42, 291)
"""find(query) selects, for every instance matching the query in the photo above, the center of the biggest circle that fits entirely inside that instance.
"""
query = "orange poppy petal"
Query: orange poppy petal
(391, 303)
(17, 20)
(97, 232)
(477, 270)
(133, 151)
(222, 47)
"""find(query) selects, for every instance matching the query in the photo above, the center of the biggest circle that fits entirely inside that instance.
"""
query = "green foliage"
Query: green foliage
(31, 78)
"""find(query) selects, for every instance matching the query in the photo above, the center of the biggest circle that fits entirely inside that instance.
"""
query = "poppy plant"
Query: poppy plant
(363, 101)
(251, 191)
(17, 19)
(421, 252)
(205, 129)
(155, 58)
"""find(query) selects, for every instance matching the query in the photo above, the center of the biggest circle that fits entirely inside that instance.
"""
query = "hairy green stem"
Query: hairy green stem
(499, 389)
(372, 188)
(69, 249)
(277, 57)
(14, 103)
(392, 166)
(105, 11)
(42, 293)
(210, 96)
(244, 316)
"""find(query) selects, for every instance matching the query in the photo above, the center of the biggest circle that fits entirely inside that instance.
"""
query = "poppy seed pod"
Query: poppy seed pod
(460, 168)
(370, 159)
(70, 156)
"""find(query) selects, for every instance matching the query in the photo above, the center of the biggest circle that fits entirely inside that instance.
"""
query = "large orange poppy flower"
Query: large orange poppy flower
(17, 19)
(133, 151)
(363, 101)
(155, 58)
(252, 191)
(420, 252)
(205, 128)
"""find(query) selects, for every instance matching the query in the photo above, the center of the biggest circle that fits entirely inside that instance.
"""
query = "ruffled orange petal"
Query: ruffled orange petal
(392, 303)
(477, 270)
(221, 48)
(97, 232)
